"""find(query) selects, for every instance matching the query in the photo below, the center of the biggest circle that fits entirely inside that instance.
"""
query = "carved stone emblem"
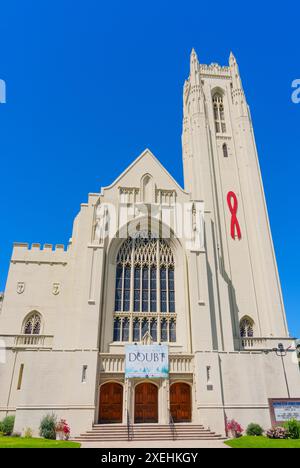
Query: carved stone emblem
(20, 287)
(56, 289)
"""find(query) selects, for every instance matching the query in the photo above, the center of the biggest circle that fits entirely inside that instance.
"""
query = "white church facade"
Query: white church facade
(151, 263)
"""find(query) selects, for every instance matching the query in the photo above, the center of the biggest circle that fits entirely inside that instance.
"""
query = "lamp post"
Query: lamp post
(282, 352)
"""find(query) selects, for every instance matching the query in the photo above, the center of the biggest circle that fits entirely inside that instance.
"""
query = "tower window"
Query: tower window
(84, 373)
(225, 151)
(219, 115)
(246, 327)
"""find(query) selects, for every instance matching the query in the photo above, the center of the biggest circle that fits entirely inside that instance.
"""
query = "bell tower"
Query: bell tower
(221, 168)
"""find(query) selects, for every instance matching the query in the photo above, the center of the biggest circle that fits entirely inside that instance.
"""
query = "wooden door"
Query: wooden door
(146, 403)
(180, 402)
(111, 403)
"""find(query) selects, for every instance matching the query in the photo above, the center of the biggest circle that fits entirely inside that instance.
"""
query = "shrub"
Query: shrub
(277, 433)
(254, 430)
(47, 427)
(293, 428)
(8, 425)
(28, 433)
(234, 427)
(1, 426)
(16, 434)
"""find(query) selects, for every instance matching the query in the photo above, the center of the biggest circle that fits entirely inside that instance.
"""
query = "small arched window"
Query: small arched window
(246, 328)
(225, 151)
(219, 115)
(32, 325)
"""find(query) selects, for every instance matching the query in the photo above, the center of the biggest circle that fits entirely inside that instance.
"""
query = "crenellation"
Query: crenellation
(215, 70)
(36, 253)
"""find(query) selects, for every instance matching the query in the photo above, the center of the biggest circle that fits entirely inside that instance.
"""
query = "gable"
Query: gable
(145, 167)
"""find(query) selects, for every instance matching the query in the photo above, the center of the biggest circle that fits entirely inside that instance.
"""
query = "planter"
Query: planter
(60, 435)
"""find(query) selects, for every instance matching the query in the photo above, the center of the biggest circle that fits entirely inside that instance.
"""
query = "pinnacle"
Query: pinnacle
(232, 58)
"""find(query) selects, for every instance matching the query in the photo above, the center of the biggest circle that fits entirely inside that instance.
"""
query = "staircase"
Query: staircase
(112, 432)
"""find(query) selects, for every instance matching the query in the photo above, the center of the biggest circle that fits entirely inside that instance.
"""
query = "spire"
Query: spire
(232, 59)
(194, 69)
(237, 87)
(235, 74)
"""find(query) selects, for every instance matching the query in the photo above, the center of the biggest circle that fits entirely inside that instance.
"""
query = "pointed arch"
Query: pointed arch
(225, 150)
(147, 188)
(145, 290)
(32, 324)
(218, 110)
(246, 327)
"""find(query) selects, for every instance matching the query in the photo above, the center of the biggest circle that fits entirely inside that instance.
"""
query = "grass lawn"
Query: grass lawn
(262, 442)
(21, 442)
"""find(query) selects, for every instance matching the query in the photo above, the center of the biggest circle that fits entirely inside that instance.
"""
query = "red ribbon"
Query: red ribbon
(233, 207)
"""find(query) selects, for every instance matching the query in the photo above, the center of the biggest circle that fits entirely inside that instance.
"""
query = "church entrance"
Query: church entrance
(146, 403)
(111, 403)
(180, 402)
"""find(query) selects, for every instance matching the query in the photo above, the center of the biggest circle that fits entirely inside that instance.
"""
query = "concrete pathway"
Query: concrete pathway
(157, 444)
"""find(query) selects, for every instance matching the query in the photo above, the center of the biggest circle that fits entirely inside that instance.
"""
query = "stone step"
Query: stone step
(142, 432)
(100, 439)
(192, 434)
(136, 434)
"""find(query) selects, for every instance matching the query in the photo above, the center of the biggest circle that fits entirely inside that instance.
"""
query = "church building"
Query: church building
(153, 266)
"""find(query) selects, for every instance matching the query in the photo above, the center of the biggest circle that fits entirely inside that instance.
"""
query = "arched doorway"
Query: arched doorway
(180, 402)
(146, 403)
(111, 403)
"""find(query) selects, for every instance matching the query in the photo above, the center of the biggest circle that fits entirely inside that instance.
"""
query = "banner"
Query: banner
(147, 361)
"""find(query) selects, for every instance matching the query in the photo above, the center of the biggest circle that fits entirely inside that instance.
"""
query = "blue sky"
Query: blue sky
(91, 84)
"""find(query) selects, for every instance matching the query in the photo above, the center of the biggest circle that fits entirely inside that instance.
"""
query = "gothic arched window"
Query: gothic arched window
(219, 115)
(145, 291)
(225, 151)
(32, 325)
(246, 327)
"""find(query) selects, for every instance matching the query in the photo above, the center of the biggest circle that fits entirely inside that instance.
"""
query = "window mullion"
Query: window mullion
(141, 287)
(167, 288)
(123, 282)
(158, 298)
(149, 286)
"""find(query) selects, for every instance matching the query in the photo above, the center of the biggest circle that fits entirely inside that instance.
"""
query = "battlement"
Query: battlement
(215, 70)
(36, 253)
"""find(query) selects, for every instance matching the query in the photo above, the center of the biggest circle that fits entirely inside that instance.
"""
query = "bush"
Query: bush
(254, 430)
(16, 434)
(293, 428)
(277, 433)
(8, 425)
(47, 427)
(28, 433)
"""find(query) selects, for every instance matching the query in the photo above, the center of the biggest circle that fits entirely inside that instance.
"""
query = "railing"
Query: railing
(33, 341)
(181, 364)
(263, 343)
(254, 343)
(129, 428)
(114, 363)
(172, 426)
(27, 341)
